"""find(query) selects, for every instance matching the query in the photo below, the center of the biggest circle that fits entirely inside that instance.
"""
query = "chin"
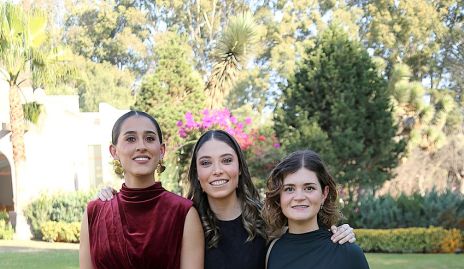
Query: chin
(220, 194)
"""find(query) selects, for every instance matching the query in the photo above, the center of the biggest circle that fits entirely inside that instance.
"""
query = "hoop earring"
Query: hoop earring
(118, 169)
(160, 169)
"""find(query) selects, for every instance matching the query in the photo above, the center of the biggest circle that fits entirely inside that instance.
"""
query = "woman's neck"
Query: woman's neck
(227, 208)
(299, 227)
(135, 182)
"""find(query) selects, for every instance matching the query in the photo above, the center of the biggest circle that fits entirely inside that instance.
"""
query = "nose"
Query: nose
(299, 195)
(217, 170)
(140, 146)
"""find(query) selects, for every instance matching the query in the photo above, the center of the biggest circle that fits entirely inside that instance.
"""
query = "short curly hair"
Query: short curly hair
(272, 212)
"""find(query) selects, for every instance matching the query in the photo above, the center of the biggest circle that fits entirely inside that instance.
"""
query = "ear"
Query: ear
(325, 193)
(113, 152)
(162, 150)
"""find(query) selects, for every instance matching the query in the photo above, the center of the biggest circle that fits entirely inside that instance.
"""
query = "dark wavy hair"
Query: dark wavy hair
(272, 213)
(246, 192)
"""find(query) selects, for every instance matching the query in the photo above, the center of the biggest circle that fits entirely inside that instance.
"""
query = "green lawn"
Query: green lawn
(68, 259)
(42, 259)
(415, 261)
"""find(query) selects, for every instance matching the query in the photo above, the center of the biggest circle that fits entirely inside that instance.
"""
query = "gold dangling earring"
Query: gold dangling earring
(118, 169)
(160, 169)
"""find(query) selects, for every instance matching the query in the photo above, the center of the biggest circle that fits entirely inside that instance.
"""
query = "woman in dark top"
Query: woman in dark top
(302, 194)
(145, 226)
(228, 203)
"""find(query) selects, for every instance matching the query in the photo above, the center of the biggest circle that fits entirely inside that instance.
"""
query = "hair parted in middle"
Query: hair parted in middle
(328, 215)
(246, 192)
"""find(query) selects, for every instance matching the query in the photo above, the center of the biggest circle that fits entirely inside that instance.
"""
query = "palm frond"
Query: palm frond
(233, 50)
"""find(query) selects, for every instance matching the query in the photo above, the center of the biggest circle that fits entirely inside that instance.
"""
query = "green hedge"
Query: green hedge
(6, 231)
(59, 207)
(386, 212)
(61, 231)
(409, 240)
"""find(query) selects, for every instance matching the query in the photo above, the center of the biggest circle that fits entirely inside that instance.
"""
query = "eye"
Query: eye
(289, 189)
(130, 139)
(205, 162)
(151, 138)
(309, 188)
(227, 160)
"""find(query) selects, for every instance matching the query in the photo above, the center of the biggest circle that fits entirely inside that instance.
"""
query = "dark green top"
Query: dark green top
(315, 250)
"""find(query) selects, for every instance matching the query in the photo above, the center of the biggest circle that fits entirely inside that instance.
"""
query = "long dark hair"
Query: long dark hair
(246, 192)
(272, 213)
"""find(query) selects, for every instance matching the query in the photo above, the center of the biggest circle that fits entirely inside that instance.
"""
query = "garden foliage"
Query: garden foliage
(61, 231)
(416, 210)
(63, 208)
(339, 106)
(6, 231)
(409, 240)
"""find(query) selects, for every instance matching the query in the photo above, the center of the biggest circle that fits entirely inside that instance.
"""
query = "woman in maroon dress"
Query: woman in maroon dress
(145, 226)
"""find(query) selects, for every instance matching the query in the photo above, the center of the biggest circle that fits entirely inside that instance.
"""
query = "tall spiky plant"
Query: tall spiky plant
(231, 54)
(25, 56)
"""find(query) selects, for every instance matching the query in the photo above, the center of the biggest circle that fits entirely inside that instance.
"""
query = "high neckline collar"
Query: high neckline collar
(141, 194)
(319, 233)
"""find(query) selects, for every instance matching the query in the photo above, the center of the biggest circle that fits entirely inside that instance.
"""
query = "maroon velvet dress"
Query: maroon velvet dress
(140, 228)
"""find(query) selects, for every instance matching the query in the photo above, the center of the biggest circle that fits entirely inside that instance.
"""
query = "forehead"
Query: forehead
(215, 148)
(301, 176)
(137, 124)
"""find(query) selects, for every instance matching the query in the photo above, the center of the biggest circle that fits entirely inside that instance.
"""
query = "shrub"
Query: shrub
(37, 212)
(409, 240)
(6, 231)
(386, 212)
(60, 207)
(60, 231)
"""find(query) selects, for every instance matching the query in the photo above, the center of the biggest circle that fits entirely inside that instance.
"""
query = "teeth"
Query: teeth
(219, 182)
(141, 159)
(300, 206)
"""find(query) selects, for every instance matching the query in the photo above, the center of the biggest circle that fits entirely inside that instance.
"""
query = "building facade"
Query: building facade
(66, 151)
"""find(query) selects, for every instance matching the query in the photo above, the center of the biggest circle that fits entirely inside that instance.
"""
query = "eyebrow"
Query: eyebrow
(307, 183)
(223, 155)
(145, 132)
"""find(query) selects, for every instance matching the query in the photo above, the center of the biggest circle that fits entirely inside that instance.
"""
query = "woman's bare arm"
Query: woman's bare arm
(193, 242)
(85, 261)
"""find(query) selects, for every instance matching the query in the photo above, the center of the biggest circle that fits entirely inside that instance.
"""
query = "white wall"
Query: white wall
(57, 149)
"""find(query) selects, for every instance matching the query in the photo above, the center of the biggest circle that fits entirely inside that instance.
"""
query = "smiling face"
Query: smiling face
(218, 169)
(301, 198)
(138, 148)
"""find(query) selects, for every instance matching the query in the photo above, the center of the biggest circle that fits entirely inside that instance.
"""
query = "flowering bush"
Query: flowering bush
(261, 147)
(217, 119)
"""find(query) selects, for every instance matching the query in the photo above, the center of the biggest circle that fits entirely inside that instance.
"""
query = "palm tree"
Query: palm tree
(231, 54)
(25, 56)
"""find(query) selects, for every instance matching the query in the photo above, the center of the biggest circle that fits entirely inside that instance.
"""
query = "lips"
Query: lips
(219, 182)
(300, 206)
(141, 159)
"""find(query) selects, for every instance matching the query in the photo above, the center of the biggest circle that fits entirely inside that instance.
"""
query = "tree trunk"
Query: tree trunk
(22, 230)
(17, 125)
